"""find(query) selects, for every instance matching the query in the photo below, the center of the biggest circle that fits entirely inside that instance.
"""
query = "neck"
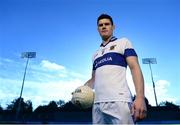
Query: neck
(106, 40)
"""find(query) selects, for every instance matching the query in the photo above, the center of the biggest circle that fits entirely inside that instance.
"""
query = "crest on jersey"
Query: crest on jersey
(112, 47)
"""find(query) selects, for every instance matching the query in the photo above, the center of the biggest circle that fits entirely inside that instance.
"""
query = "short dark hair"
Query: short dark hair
(105, 16)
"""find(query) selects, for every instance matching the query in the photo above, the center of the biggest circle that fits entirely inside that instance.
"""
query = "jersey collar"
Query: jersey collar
(113, 38)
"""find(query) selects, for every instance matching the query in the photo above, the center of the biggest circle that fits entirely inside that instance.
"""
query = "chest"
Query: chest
(111, 48)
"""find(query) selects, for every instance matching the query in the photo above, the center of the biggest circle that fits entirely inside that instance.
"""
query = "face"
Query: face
(105, 28)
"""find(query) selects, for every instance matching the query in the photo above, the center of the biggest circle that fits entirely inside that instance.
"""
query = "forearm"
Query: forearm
(138, 81)
(90, 83)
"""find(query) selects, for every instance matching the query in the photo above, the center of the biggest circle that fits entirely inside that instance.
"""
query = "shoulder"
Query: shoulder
(124, 40)
(95, 54)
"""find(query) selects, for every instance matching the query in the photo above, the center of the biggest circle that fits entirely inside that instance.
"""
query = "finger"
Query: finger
(143, 114)
(137, 114)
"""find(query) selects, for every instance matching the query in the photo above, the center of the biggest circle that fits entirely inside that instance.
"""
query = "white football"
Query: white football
(83, 97)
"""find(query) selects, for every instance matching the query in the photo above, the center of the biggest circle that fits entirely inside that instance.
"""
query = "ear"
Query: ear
(113, 27)
(97, 29)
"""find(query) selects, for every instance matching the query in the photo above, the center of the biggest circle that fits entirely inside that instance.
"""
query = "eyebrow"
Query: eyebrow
(101, 24)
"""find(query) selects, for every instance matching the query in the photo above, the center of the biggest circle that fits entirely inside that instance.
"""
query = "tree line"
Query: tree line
(61, 112)
(43, 113)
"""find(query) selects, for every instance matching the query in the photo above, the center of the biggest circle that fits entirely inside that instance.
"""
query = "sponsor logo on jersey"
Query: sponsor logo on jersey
(104, 60)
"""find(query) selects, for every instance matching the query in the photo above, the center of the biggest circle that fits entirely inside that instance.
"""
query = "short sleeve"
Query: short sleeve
(129, 50)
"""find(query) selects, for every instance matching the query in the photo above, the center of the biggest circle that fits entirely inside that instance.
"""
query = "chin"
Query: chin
(105, 36)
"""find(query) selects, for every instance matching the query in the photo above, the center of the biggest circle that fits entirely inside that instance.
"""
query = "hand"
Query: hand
(139, 110)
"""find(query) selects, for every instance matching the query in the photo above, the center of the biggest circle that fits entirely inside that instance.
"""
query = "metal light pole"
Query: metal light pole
(151, 61)
(27, 55)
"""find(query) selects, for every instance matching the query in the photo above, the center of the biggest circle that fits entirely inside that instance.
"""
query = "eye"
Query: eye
(100, 25)
(106, 24)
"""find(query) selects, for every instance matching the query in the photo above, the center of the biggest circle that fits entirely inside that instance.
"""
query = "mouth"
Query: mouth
(104, 31)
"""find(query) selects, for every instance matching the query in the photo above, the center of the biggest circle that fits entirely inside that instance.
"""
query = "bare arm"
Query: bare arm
(90, 82)
(136, 75)
(139, 106)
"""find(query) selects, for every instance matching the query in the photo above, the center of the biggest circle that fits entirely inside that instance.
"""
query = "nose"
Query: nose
(103, 26)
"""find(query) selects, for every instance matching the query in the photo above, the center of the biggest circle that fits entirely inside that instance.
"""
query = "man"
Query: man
(113, 100)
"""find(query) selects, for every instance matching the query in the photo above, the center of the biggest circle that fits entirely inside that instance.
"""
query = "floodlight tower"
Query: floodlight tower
(151, 61)
(27, 55)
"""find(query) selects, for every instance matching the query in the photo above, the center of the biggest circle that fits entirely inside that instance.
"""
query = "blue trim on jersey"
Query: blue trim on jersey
(129, 52)
(110, 59)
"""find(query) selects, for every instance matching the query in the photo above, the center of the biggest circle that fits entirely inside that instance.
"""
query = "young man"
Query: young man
(113, 100)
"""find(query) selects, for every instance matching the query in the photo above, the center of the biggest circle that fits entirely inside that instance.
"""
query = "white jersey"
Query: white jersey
(109, 64)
